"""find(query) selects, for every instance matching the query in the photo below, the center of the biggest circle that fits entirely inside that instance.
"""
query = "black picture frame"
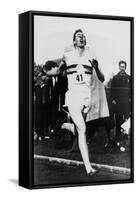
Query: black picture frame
(26, 109)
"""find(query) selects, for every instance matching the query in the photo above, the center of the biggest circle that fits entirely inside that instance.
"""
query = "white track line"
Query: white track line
(114, 169)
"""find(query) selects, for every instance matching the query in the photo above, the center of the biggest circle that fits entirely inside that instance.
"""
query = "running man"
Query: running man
(84, 87)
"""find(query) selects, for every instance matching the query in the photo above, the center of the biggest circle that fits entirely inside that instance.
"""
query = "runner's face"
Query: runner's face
(80, 40)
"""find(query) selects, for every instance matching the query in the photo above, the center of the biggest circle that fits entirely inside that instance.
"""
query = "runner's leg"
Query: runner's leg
(78, 120)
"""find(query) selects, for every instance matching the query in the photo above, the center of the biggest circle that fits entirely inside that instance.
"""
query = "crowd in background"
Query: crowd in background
(49, 98)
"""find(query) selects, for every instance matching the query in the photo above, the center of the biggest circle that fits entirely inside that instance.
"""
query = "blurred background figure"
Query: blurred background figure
(50, 86)
(40, 102)
(120, 99)
(56, 88)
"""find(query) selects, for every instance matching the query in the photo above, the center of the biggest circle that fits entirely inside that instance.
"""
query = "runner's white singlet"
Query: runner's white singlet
(79, 74)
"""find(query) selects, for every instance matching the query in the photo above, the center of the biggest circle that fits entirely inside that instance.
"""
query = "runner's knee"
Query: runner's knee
(81, 128)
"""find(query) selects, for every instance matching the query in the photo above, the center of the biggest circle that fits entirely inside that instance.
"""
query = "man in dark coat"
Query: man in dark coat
(120, 97)
(39, 102)
(56, 88)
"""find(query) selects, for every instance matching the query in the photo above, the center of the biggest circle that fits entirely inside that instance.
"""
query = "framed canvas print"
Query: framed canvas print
(75, 99)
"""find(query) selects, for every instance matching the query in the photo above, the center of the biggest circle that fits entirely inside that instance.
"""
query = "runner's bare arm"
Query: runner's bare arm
(100, 75)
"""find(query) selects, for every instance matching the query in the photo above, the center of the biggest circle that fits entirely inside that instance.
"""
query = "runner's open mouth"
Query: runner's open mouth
(81, 41)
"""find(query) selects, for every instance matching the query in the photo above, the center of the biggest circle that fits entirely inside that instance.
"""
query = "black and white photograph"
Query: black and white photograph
(68, 100)
(82, 100)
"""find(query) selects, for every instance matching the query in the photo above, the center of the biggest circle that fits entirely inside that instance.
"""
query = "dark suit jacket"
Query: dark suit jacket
(120, 91)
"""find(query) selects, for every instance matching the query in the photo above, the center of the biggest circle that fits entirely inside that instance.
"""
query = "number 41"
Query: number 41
(79, 77)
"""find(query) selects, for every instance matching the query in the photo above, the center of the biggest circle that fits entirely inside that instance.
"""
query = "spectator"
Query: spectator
(120, 98)
(56, 91)
(39, 102)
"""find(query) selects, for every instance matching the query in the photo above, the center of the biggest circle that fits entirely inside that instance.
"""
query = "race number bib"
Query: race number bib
(79, 78)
